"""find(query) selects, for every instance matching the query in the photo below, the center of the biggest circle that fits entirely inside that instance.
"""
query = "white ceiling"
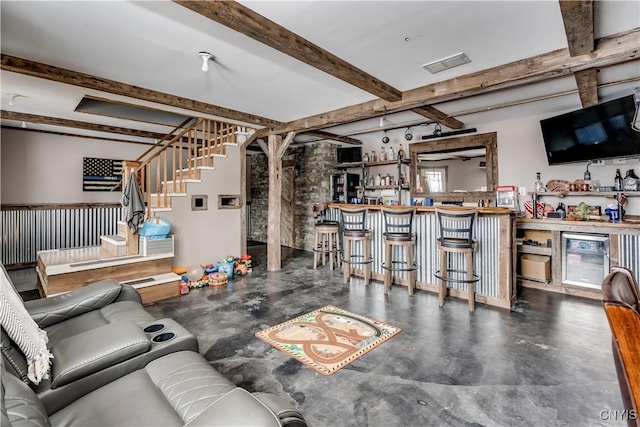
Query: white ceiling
(155, 45)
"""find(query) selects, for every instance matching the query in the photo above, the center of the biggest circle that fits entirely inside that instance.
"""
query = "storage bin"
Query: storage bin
(536, 267)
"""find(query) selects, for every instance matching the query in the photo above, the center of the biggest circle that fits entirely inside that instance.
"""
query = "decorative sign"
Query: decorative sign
(101, 174)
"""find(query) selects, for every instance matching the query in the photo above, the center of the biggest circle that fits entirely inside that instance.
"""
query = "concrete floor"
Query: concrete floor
(545, 363)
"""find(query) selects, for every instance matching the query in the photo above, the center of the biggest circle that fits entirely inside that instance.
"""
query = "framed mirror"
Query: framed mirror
(457, 169)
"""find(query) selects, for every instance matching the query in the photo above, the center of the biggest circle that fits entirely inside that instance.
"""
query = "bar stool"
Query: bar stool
(398, 224)
(455, 230)
(327, 241)
(353, 220)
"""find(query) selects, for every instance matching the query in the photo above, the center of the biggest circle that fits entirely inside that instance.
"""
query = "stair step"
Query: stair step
(155, 288)
(115, 244)
(158, 201)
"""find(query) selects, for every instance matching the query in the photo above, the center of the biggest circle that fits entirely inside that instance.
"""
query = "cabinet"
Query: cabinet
(398, 181)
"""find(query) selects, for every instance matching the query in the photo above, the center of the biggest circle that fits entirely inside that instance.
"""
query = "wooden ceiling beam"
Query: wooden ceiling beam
(587, 83)
(578, 18)
(253, 25)
(333, 137)
(61, 75)
(612, 50)
(76, 135)
(438, 116)
(55, 121)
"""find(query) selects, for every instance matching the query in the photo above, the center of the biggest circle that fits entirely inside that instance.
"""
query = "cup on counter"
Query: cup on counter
(428, 202)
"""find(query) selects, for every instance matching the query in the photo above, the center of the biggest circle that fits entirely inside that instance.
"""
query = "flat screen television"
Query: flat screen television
(349, 154)
(599, 132)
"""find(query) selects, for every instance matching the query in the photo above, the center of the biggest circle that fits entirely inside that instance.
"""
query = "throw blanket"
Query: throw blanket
(133, 203)
(24, 331)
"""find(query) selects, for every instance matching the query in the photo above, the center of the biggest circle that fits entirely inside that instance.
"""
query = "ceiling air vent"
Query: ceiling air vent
(446, 63)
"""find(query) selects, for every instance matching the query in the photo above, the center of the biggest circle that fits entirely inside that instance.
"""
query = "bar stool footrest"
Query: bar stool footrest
(413, 268)
(456, 280)
(369, 261)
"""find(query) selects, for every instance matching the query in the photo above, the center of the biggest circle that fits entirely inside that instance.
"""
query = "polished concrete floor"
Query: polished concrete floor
(545, 363)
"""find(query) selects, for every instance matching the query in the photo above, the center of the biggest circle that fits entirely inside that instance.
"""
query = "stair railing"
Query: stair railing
(184, 152)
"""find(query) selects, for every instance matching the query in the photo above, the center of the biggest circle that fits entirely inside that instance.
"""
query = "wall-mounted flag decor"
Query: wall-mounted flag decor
(100, 174)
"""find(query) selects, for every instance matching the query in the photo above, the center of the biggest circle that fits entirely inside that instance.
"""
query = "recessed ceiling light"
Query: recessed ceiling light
(446, 63)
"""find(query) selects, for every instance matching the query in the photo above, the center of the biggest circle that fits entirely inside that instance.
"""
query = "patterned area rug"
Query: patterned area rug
(328, 339)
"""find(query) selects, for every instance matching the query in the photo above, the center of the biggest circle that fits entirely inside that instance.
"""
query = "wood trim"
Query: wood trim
(264, 146)
(587, 83)
(274, 256)
(61, 75)
(434, 114)
(245, 21)
(578, 25)
(51, 206)
(55, 121)
(333, 137)
(612, 50)
(75, 135)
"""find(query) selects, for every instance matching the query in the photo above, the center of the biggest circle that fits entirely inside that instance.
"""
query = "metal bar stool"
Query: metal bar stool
(455, 226)
(353, 220)
(327, 241)
(398, 223)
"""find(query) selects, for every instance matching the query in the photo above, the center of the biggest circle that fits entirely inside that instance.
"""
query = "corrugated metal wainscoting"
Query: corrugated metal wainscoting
(29, 229)
(629, 250)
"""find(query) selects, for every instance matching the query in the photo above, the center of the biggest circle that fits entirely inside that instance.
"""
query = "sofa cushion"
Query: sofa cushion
(175, 390)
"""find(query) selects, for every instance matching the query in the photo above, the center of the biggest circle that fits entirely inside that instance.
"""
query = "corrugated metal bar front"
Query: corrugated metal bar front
(486, 257)
(25, 231)
(629, 253)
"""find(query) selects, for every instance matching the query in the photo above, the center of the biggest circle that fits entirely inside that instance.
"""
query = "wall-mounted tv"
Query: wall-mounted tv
(599, 132)
(349, 154)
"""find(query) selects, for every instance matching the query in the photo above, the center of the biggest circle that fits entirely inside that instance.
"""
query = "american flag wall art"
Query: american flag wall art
(100, 174)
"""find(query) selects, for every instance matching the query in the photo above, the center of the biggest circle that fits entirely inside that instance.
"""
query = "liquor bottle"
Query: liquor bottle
(630, 181)
(365, 157)
(617, 181)
(538, 186)
(374, 157)
(383, 155)
(390, 154)
(400, 153)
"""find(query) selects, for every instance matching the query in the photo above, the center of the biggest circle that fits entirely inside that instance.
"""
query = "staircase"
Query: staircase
(164, 173)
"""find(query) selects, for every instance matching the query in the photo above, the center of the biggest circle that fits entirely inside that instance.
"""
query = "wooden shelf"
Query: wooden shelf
(370, 164)
(536, 250)
(384, 187)
(608, 194)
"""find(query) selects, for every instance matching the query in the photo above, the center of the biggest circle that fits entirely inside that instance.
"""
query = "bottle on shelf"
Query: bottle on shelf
(383, 155)
(400, 152)
(374, 157)
(538, 185)
(617, 181)
(377, 181)
(365, 157)
(630, 181)
(390, 154)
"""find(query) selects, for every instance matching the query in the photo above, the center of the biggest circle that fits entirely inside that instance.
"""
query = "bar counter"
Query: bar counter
(494, 258)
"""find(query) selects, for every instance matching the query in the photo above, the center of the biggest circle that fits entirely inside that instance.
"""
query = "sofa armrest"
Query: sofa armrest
(86, 353)
(129, 293)
(52, 310)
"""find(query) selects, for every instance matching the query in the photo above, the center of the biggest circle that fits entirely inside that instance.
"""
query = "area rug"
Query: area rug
(329, 338)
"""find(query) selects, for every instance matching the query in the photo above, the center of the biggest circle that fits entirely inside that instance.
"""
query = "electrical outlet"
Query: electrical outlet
(619, 161)
(597, 163)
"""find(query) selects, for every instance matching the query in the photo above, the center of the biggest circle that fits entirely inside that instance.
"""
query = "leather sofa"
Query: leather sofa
(180, 389)
(96, 335)
(114, 364)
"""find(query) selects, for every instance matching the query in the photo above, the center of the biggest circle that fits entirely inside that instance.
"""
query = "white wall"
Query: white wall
(205, 237)
(46, 168)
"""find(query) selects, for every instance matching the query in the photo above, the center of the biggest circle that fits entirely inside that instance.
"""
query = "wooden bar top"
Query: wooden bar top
(432, 209)
(625, 227)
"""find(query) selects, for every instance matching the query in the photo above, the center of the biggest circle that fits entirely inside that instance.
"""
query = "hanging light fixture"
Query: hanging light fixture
(206, 57)
(408, 134)
(437, 131)
(385, 138)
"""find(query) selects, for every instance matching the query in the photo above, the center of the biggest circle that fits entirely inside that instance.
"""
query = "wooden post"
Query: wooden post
(274, 256)
(243, 199)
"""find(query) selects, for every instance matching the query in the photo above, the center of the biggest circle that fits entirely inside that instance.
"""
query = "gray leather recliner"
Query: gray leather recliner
(180, 389)
(96, 334)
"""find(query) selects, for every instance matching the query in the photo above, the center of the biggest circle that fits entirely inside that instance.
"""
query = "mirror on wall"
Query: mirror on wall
(459, 169)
